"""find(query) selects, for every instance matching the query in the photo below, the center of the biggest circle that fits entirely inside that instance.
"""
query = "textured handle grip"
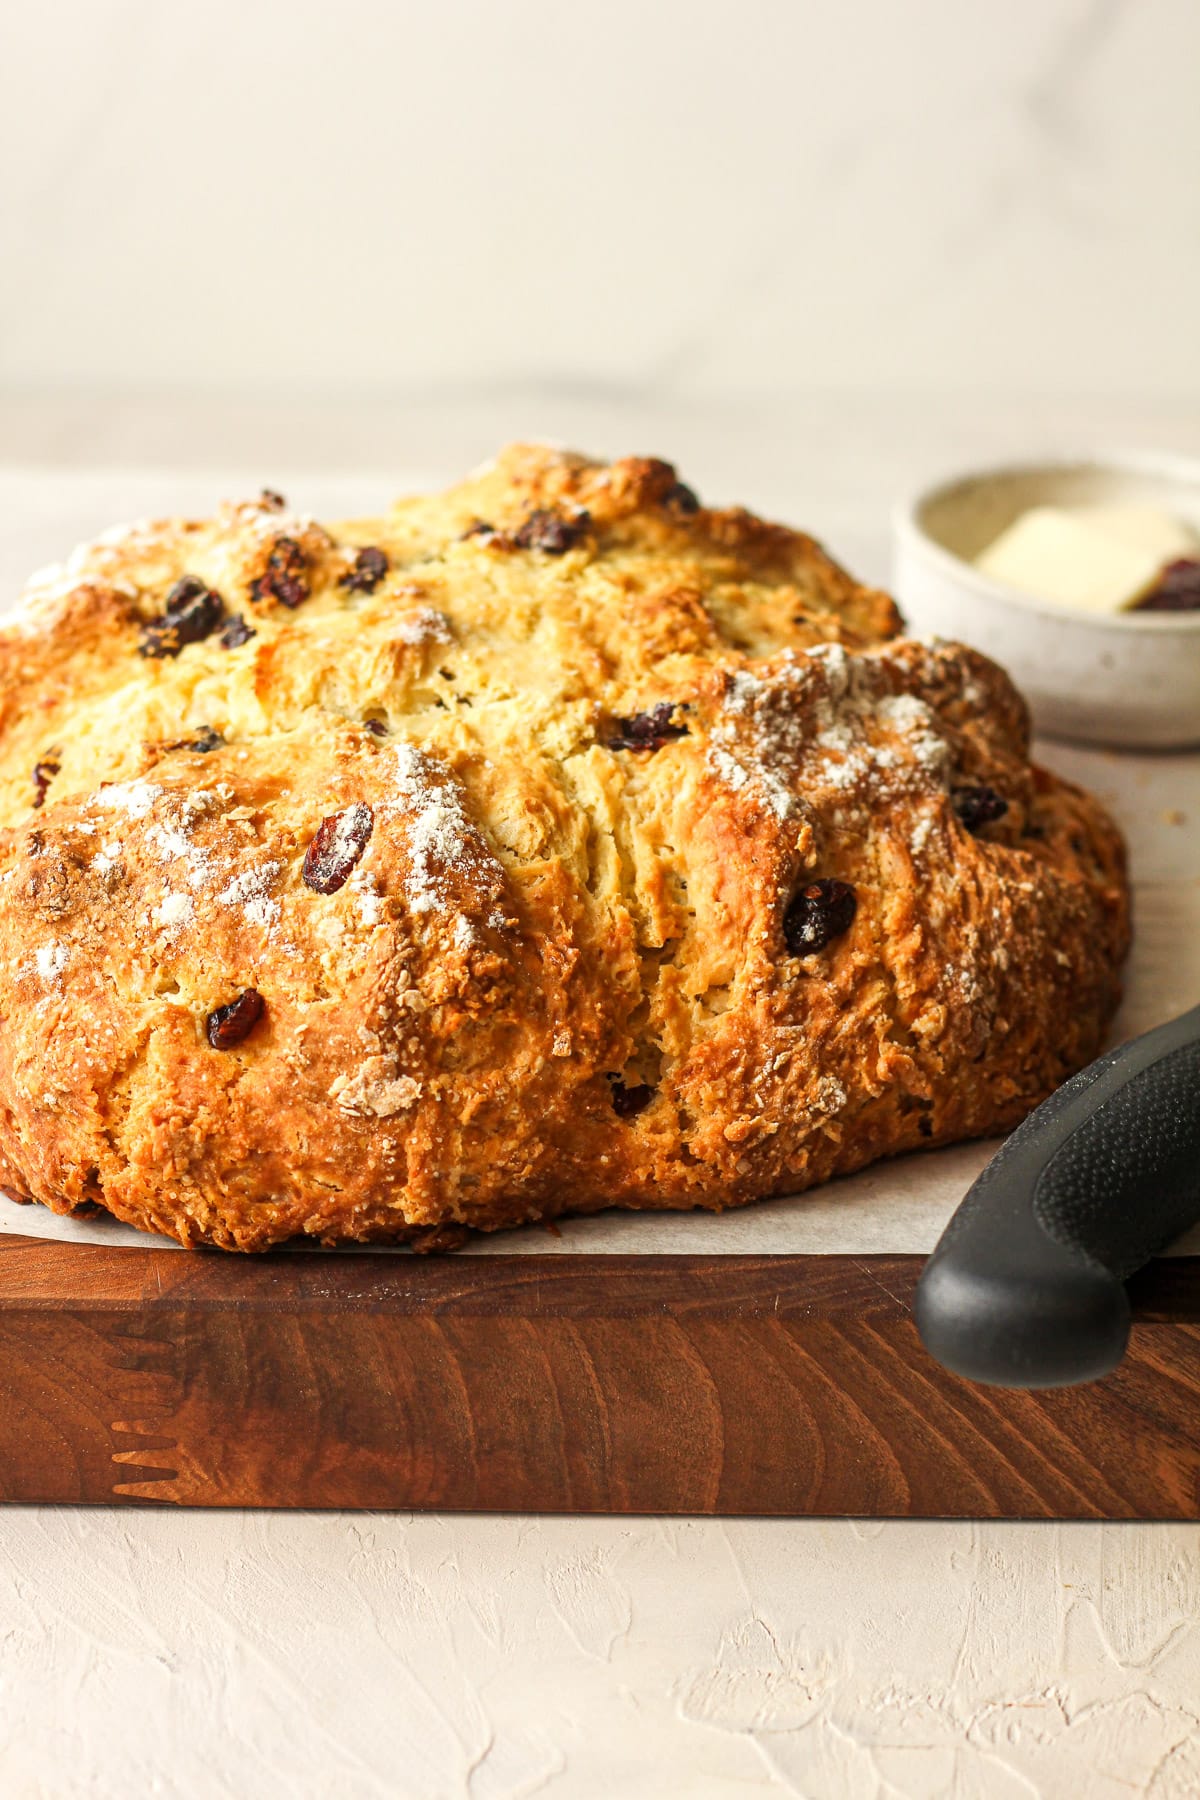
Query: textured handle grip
(1025, 1287)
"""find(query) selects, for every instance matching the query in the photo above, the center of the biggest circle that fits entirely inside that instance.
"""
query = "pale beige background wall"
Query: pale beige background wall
(680, 198)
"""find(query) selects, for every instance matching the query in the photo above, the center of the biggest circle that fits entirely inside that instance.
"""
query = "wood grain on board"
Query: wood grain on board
(724, 1384)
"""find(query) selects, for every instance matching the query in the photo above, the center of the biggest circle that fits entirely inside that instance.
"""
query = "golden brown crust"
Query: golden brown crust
(563, 973)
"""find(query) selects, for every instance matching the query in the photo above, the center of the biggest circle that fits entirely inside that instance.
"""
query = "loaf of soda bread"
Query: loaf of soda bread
(553, 844)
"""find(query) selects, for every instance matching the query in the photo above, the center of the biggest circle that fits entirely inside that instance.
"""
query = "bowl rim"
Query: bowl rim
(1170, 465)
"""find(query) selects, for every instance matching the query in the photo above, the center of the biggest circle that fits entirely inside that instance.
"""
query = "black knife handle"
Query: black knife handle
(1025, 1288)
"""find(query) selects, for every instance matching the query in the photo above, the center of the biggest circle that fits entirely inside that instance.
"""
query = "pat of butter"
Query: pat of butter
(1099, 558)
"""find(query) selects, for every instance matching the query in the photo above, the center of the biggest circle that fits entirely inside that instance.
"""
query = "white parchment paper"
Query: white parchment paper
(897, 1208)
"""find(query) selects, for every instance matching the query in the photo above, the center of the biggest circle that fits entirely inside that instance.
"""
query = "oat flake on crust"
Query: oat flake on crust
(661, 870)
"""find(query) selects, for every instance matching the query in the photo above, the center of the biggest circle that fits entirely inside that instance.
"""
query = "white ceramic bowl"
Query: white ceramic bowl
(1132, 679)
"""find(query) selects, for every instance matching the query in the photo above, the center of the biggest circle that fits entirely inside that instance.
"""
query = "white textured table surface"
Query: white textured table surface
(362, 1656)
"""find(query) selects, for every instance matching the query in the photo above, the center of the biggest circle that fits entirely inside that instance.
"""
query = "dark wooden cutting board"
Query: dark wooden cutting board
(640, 1383)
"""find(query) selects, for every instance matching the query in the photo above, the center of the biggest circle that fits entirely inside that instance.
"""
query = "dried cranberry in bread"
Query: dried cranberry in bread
(553, 844)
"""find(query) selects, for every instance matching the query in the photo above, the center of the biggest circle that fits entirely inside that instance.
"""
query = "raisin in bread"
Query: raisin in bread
(554, 844)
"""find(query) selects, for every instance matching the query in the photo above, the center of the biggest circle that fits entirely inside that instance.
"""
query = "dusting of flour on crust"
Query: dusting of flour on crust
(424, 626)
(170, 842)
(173, 911)
(444, 843)
(367, 898)
(50, 960)
(830, 712)
(251, 890)
(134, 798)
